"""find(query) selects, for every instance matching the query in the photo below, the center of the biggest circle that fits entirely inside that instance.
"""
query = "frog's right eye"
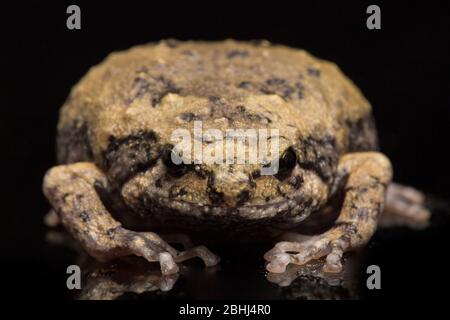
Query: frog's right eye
(287, 162)
(173, 162)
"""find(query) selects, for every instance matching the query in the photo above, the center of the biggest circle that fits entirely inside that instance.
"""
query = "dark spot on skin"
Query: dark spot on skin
(300, 90)
(125, 157)
(276, 86)
(79, 196)
(73, 143)
(202, 173)
(314, 72)
(376, 182)
(280, 192)
(287, 92)
(155, 87)
(245, 85)
(243, 197)
(255, 174)
(362, 134)
(307, 203)
(357, 190)
(64, 197)
(267, 199)
(363, 214)
(241, 109)
(158, 183)
(214, 99)
(147, 205)
(282, 88)
(182, 192)
(175, 191)
(348, 227)
(237, 53)
(85, 216)
(110, 232)
(296, 181)
(215, 197)
(319, 155)
(267, 91)
(275, 81)
(374, 178)
(188, 116)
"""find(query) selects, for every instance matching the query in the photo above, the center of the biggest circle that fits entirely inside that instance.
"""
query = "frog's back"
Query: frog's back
(317, 97)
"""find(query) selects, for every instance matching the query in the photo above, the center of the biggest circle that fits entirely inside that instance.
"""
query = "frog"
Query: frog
(118, 190)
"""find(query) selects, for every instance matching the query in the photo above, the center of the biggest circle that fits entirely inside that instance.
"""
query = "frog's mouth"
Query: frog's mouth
(149, 199)
(290, 210)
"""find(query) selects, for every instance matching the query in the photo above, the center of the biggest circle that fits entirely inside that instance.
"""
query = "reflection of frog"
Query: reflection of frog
(309, 282)
(115, 151)
(111, 281)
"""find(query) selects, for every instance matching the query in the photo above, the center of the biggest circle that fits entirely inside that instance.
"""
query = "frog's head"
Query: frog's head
(189, 168)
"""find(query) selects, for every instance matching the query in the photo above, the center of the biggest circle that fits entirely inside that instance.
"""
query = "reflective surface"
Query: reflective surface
(407, 258)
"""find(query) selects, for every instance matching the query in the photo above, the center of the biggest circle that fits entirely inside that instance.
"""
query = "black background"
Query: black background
(403, 69)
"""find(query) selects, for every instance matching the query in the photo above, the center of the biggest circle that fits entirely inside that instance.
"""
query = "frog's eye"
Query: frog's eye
(287, 162)
(173, 162)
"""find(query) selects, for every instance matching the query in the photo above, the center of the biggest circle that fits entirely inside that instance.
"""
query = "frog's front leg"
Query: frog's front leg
(71, 191)
(368, 175)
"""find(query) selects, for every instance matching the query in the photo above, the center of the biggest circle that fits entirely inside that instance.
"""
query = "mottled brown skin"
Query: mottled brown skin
(114, 132)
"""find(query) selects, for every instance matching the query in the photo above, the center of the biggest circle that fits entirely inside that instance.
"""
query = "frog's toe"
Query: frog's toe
(301, 253)
(278, 262)
(209, 258)
(168, 265)
(333, 262)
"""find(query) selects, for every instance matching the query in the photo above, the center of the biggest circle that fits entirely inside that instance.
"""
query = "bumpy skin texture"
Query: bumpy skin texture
(116, 127)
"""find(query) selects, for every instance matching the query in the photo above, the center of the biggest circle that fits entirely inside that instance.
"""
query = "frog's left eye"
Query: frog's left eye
(173, 162)
(287, 162)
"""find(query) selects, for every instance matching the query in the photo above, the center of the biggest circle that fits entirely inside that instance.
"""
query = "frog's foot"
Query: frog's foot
(405, 206)
(153, 248)
(330, 244)
(71, 191)
(367, 174)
